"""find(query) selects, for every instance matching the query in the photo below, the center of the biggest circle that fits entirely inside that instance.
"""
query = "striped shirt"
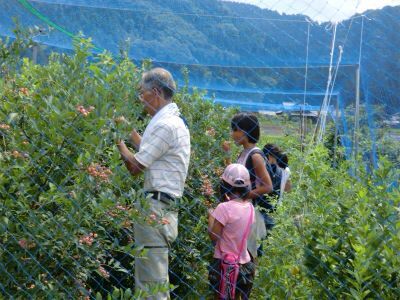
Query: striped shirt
(165, 152)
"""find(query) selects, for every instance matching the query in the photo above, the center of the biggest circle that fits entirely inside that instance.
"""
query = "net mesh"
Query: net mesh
(327, 92)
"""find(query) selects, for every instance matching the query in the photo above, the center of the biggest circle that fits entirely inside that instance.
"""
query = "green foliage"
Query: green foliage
(12, 50)
(66, 199)
(336, 236)
(64, 196)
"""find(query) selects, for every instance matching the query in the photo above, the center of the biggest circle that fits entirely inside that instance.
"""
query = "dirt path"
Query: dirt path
(272, 130)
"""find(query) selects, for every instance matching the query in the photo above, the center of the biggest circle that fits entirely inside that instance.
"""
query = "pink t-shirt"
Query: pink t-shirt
(234, 216)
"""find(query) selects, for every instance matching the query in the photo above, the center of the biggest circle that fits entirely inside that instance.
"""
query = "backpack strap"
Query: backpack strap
(250, 154)
(248, 163)
(247, 232)
(184, 121)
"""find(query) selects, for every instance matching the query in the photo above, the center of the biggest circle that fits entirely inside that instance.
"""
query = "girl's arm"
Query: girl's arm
(288, 186)
(262, 175)
(216, 231)
(210, 219)
(226, 148)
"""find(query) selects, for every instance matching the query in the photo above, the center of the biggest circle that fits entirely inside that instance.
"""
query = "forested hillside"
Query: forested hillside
(231, 47)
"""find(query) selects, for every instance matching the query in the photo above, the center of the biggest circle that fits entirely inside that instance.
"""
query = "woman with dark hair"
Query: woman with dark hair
(245, 132)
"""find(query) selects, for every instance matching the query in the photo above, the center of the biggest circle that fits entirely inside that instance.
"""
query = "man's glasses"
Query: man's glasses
(141, 92)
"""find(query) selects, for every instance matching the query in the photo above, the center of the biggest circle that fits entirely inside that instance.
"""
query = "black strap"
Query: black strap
(262, 200)
(161, 196)
(184, 121)
(250, 167)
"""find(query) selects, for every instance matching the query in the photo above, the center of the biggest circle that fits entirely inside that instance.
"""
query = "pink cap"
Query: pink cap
(236, 175)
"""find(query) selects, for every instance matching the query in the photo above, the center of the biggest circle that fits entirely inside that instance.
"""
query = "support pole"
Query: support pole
(302, 113)
(356, 119)
(35, 54)
(336, 132)
(357, 108)
(302, 133)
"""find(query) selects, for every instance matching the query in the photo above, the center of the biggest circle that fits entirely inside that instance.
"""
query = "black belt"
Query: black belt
(161, 196)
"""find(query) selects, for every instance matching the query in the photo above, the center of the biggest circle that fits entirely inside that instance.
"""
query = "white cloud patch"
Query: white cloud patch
(321, 10)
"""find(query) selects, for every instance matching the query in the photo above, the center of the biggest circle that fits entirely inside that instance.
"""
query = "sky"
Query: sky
(321, 10)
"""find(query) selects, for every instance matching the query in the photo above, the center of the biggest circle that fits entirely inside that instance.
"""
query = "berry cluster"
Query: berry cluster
(17, 154)
(24, 91)
(206, 189)
(98, 171)
(120, 119)
(88, 239)
(85, 111)
(152, 219)
(25, 244)
(4, 126)
(210, 132)
(104, 272)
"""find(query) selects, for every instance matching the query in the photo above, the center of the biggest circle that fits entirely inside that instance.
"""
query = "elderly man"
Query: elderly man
(163, 154)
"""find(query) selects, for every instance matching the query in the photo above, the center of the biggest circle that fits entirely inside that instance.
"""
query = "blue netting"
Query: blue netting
(240, 56)
(258, 53)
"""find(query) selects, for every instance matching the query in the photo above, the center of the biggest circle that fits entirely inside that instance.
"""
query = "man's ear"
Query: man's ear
(158, 92)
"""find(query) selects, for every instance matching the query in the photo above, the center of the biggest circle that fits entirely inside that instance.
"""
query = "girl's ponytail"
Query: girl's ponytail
(281, 157)
(283, 160)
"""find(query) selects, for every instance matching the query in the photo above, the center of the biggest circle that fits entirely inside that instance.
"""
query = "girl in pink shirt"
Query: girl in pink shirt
(229, 227)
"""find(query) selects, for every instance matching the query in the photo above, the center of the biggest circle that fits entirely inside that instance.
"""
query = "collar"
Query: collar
(170, 109)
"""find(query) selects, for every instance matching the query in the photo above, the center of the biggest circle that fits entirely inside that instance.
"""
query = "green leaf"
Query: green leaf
(12, 117)
(116, 293)
(128, 294)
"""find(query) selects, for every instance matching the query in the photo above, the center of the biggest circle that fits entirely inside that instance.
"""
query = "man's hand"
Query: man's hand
(133, 166)
(123, 149)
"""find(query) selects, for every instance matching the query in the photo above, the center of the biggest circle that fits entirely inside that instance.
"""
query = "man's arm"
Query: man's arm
(136, 139)
(133, 166)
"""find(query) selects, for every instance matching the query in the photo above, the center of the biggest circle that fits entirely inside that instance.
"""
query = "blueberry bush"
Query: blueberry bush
(66, 212)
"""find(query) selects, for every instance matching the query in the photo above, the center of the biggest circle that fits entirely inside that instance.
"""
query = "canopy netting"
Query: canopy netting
(342, 75)
(243, 56)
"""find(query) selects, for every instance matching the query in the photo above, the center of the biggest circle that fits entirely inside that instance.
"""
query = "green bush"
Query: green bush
(336, 235)
(66, 198)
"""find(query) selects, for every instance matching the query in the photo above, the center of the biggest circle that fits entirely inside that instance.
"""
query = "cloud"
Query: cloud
(321, 10)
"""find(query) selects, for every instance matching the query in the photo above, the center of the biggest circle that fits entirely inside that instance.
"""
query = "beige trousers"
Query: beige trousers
(152, 268)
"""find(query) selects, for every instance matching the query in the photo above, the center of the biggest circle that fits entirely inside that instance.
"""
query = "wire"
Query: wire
(174, 13)
(302, 129)
(52, 24)
(322, 109)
